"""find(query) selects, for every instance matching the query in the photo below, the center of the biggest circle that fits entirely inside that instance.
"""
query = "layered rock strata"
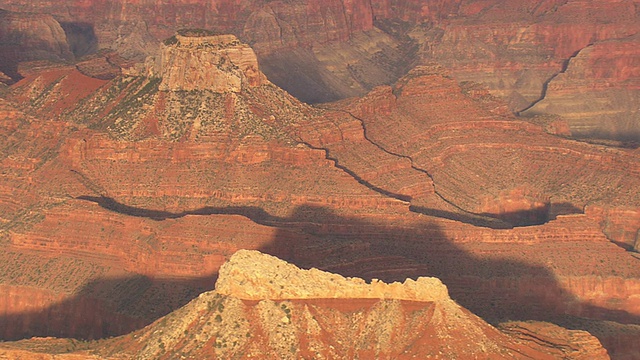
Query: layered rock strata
(599, 91)
(130, 180)
(218, 63)
(514, 48)
(305, 313)
(28, 37)
(454, 138)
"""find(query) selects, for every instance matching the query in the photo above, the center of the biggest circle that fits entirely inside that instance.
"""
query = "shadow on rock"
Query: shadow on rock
(382, 249)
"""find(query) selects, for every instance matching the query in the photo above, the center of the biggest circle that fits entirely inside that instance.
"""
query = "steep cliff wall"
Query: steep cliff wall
(598, 92)
(619, 224)
(188, 64)
(269, 26)
(28, 37)
(513, 48)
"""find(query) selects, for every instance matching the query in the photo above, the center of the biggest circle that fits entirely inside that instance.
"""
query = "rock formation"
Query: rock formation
(598, 93)
(251, 277)
(515, 49)
(430, 105)
(28, 37)
(618, 223)
(127, 186)
(218, 63)
(264, 307)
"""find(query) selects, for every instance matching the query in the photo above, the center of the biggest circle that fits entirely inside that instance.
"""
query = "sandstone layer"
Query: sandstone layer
(247, 317)
(515, 49)
(151, 189)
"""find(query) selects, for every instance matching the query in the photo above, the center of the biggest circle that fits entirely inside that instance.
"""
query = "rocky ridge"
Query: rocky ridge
(132, 178)
(252, 277)
(416, 318)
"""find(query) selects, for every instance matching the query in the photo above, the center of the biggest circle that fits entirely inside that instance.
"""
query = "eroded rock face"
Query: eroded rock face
(270, 26)
(252, 276)
(151, 183)
(621, 225)
(324, 316)
(598, 92)
(447, 121)
(574, 344)
(278, 25)
(28, 37)
(218, 63)
(513, 48)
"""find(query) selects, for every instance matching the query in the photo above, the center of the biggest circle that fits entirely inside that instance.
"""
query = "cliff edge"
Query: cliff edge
(326, 316)
(251, 275)
(199, 60)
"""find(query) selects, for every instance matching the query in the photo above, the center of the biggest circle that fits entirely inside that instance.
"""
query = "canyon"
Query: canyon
(265, 307)
(465, 206)
(523, 51)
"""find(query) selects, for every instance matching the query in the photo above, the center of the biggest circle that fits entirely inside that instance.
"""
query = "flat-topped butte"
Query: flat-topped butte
(207, 61)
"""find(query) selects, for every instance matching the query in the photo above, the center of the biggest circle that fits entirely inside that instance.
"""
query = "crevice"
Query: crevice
(102, 198)
(464, 215)
(545, 85)
(255, 214)
(360, 180)
(280, 29)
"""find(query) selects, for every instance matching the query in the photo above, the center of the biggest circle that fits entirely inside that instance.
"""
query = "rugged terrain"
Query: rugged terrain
(264, 307)
(127, 185)
(320, 51)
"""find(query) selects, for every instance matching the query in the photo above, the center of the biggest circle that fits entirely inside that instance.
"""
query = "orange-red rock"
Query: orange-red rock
(321, 315)
(153, 188)
(514, 48)
(598, 93)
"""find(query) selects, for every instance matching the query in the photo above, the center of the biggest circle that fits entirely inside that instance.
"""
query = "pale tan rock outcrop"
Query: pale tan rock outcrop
(215, 325)
(219, 63)
(4, 78)
(252, 275)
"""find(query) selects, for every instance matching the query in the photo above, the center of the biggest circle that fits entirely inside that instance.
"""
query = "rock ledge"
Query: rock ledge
(251, 275)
